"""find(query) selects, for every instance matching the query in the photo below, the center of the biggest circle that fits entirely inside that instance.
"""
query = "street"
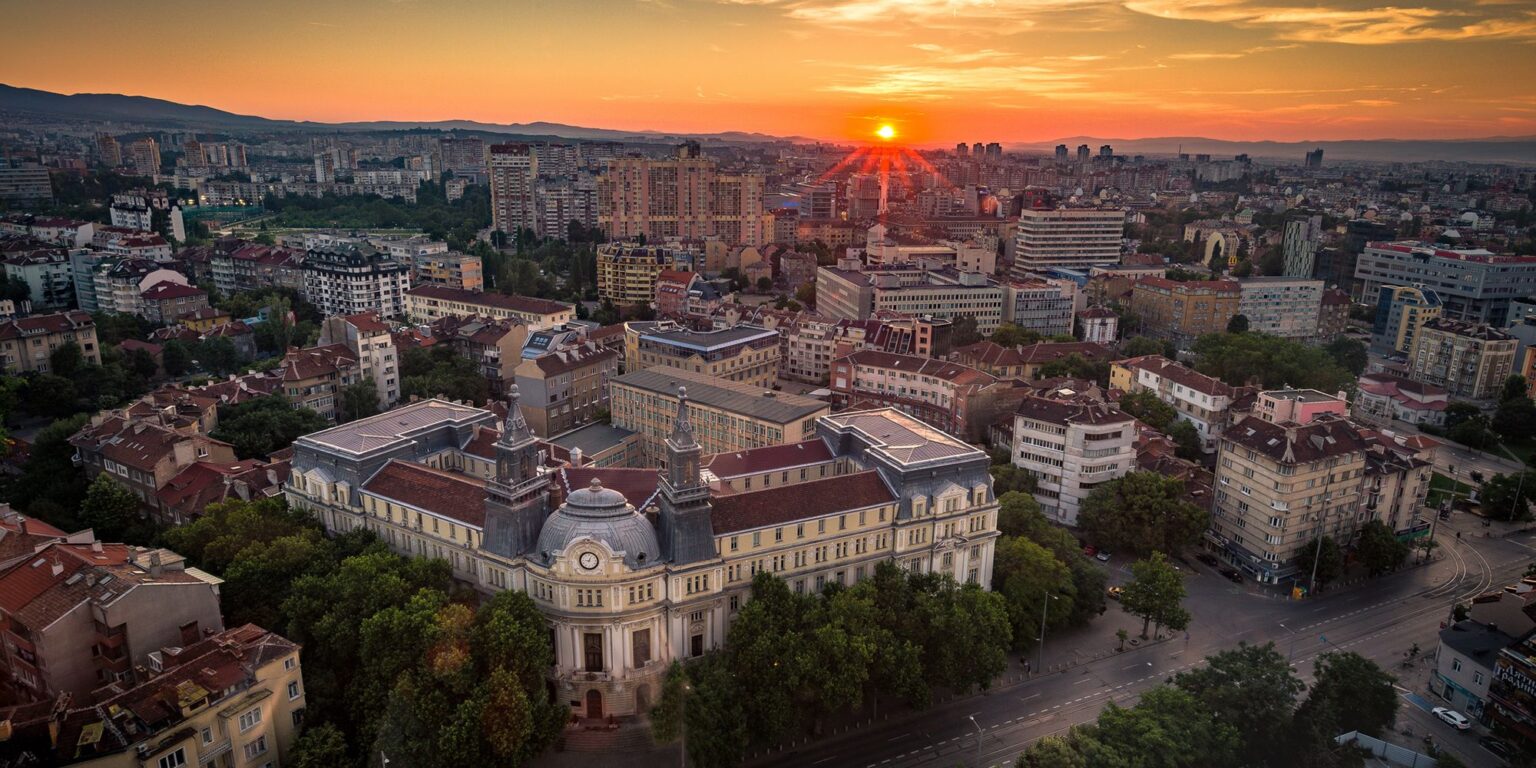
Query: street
(1380, 619)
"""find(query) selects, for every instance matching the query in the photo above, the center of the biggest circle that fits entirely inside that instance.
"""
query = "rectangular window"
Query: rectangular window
(256, 748)
(293, 690)
(175, 759)
(592, 647)
(641, 645)
(249, 720)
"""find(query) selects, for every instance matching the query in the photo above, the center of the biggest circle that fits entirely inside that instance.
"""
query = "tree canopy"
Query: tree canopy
(1156, 594)
(261, 425)
(1270, 361)
(1142, 512)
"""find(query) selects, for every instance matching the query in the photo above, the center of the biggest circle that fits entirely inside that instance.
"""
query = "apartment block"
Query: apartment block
(1468, 360)
(726, 416)
(253, 267)
(460, 271)
(143, 451)
(565, 388)
(747, 354)
(1287, 307)
(350, 279)
(368, 339)
(47, 271)
(1201, 400)
(314, 377)
(956, 398)
(627, 273)
(1024, 362)
(1184, 311)
(1383, 397)
(1400, 311)
(1071, 448)
(685, 196)
(493, 345)
(428, 303)
(1067, 237)
(27, 343)
(514, 171)
(1301, 406)
(164, 302)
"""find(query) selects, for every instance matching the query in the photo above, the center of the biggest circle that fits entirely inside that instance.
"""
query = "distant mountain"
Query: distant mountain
(1496, 149)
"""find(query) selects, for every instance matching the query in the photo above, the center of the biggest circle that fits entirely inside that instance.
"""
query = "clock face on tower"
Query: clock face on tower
(588, 560)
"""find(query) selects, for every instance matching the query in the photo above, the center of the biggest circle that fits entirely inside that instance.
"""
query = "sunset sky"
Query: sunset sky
(938, 70)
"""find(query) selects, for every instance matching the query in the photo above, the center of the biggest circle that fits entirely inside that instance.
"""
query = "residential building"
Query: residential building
(956, 398)
(144, 155)
(230, 698)
(164, 302)
(189, 493)
(82, 614)
(1201, 400)
(565, 388)
(459, 271)
(1397, 473)
(728, 416)
(1071, 448)
(672, 291)
(1464, 666)
(464, 157)
(1333, 316)
(1383, 397)
(1299, 245)
(47, 271)
(1469, 361)
(143, 451)
(493, 345)
(314, 377)
(1287, 307)
(685, 196)
(1098, 325)
(1024, 363)
(634, 574)
(349, 279)
(1067, 237)
(1301, 406)
(1043, 306)
(745, 353)
(1474, 285)
(22, 537)
(205, 319)
(559, 202)
(1184, 311)
(253, 267)
(810, 344)
(369, 341)
(1279, 487)
(27, 343)
(514, 170)
(428, 303)
(1511, 703)
(24, 182)
(1400, 311)
(627, 272)
(119, 286)
(850, 292)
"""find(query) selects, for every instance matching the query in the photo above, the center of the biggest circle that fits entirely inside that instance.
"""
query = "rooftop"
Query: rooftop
(709, 341)
(395, 426)
(593, 438)
(798, 501)
(769, 458)
(712, 392)
(1291, 443)
(450, 495)
(525, 304)
(902, 438)
(922, 366)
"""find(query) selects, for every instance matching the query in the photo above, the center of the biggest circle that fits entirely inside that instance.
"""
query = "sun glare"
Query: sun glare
(886, 132)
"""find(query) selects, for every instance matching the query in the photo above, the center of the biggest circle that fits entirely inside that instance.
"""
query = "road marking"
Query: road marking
(1084, 680)
(1132, 666)
(1031, 696)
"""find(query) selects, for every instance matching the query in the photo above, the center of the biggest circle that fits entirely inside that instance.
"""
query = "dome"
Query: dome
(605, 515)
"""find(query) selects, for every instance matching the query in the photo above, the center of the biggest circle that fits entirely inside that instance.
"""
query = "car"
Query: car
(1208, 559)
(1090, 551)
(1103, 556)
(1233, 575)
(1499, 749)
(1115, 592)
(1452, 718)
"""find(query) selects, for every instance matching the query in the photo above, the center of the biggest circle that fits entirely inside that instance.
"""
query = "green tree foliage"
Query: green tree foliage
(1349, 693)
(1379, 549)
(1142, 512)
(176, 358)
(1007, 477)
(319, 746)
(1019, 515)
(261, 425)
(1190, 446)
(1168, 728)
(1010, 335)
(1077, 367)
(1156, 594)
(113, 512)
(1458, 412)
(1136, 346)
(50, 486)
(1350, 354)
(66, 360)
(1243, 358)
(217, 355)
(359, 400)
(1515, 418)
(1330, 565)
(1474, 432)
(1146, 406)
(1508, 497)
(963, 331)
(667, 715)
(440, 372)
(51, 395)
(457, 222)
(1514, 388)
(1238, 324)
(1254, 690)
(1027, 575)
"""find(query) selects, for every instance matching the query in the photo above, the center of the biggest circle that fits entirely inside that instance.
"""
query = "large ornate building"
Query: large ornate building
(638, 567)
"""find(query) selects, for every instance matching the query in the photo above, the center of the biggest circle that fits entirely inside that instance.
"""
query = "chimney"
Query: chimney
(154, 564)
(576, 456)
(21, 524)
(95, 545)
(57, 567)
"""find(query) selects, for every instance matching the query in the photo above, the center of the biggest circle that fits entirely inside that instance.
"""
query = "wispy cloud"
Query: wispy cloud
(984, 16)
(931, 82)
(1353, 26)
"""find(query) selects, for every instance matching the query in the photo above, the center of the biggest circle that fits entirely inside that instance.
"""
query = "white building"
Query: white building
(1071, 448)
(370, 341)
(1287, 307)
(1098, 325)
(352, 279)
(1199, 399)
(1067, 237)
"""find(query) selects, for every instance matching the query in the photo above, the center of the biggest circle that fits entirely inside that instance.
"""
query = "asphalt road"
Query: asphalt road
(1380, 619)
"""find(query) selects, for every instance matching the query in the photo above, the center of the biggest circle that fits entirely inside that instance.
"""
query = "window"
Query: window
(1455, 665)
(256, 748)
(207, 734)
(592, 645)
(1477, 678)
(249, 720)
(174, 760)
(640, 643)
(293, 690)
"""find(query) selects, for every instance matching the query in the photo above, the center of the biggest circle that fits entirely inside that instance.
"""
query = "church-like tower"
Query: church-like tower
(687, 535)
(517, 500)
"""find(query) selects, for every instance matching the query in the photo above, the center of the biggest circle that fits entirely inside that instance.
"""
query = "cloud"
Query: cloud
(985, 16)
(1193, 56)
(1353, 26)
(930, 82)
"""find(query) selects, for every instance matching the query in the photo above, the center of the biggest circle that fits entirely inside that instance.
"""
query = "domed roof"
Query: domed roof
(605, 515)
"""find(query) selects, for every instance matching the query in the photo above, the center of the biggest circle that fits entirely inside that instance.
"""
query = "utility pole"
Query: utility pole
(1045, 610)
(979, 734)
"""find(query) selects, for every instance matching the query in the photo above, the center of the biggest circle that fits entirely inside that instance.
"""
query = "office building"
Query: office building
(848, 292)
(747, 354)
(1184, 311)
(1469, 361)
(1400, 311)
(1474, 285)
(1315, 158)
(685, 196)
(1040, 305)
(514, 172)
(428, 303)
(727, 416)
(1067, 237)
(1071, 448)
(350, 279)
(27, 343)
(1287, 307)
(1299, 245)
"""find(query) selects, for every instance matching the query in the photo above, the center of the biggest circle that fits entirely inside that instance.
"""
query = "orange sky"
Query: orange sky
(940, 70)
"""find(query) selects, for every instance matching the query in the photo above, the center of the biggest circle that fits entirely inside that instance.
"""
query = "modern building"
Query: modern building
(1468, 360)
(1287, 307)
(1201, 400)
(956, 398)
(514, 172)
(634, 574)
(27, 343)
(371, 344)
(848, 293)
(82, 614)
(144, 155)
(460, 271)
(1400, 311)
(562, 202)
(1279, 487)
(1464, 666)
(1511, 704)
(627, 272)
(464, 157)
(1184, 311)
(254, 267)
(1474, 285)
(1067, 237)
(25, 182)
(1300, 406)
(746, 353)
(119, 286)
(730, 416)
(1299, 246)
(684, 196)
(1071, 448)
(566, 388)
(350, 279)
(429, 303)
(1383, 397)
(1043, 306)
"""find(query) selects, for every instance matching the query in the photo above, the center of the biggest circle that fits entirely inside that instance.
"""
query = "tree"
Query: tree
(963, 331)
(66, 360)
(667, 715)
(1155, 593)
(1255, 691)
(261, 425)
(261, 575)
(1168, 728)
(1515, 417)
(806, 294)
(1379, 549)
(142, 364)
(112, 511)
(1473, 433)
(1459, 411)
(319, 746)
(1018, 514)
(1010, 335)
(1244, 358)
(1141, 512)
(51, 395)
(716, 715)
(1136, 346)
(1191, 447)
(1243, 269)
(1515, 387)
(1349, 693)
(1508, 497)
(51, 487)
(217, 355)
(1078, 367)
(1027, 576)
(1146, 406)
(1329, 567)
(440, 372)
(1350, 354)
(358, 400)
(1007, 477)
(176, 358)
(764, 284)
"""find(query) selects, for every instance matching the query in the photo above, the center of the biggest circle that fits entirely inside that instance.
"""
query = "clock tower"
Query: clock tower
(517, 499)
(687, 535)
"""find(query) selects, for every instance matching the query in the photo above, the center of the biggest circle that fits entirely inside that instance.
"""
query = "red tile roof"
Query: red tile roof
(166, 289)
(922, 366)
(769, 458)
(447, 494)
(799, 501)
(42, 324)
(504, 301)
(368, 322)
(1180, 374)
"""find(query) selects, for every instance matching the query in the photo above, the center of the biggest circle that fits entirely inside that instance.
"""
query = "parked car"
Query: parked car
(1114, 592)
(1499, 749)
(1090, 551)
(1452, 718)
(1233, 575)
(1208, 559)
(1103, 556)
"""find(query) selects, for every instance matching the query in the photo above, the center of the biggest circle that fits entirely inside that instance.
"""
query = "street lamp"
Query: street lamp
(1045, 609)
(979, 734)
(682, 723)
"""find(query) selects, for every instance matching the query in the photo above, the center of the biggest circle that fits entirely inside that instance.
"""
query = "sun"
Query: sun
(886, 132)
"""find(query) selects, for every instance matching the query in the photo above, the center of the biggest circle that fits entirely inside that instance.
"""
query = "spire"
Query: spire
(682, 430)
(516, 429)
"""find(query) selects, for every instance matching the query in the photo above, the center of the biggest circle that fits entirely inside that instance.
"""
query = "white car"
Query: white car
(1452, 718)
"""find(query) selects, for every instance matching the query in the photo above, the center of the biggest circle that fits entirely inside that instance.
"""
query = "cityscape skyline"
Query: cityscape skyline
(939, 71)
